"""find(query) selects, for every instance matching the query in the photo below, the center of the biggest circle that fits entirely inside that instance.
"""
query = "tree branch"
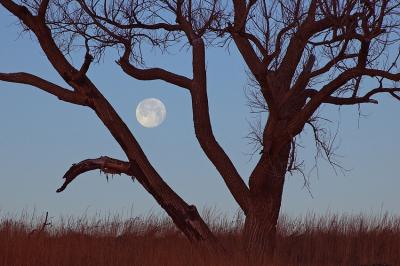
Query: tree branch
(256, 42)
(61, 93)
(105, 164)
(296, 46)
(137, 25)
(239, 36)
(86, 64)
(186, 24)
(391, 91)
(152, 73)
(297, 123)
(342, 100)
(349, 101)
(42, 9)
(204, 132)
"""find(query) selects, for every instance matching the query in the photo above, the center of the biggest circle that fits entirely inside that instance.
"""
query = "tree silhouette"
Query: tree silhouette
(300, 55)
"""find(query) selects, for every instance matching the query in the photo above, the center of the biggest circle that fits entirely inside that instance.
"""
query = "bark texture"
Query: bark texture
(266, 188)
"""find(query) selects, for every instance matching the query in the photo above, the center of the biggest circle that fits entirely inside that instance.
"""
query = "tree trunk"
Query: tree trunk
(185, 216)
(266, 187)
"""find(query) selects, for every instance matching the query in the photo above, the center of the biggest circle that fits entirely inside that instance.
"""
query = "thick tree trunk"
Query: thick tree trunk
(266, 187)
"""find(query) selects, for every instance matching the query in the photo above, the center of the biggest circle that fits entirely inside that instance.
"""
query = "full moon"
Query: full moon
(150, 112)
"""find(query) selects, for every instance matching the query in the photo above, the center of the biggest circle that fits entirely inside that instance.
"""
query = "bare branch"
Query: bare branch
(152, 73)
(324, 143)
(204, 132)
(86, 64)
(255, 137)
(297, 123)
(43, 8)
(238, 34)
(61, 93)
(105, 164)
(358, 100)
(395, 95)
(135, 25)
(42, 228)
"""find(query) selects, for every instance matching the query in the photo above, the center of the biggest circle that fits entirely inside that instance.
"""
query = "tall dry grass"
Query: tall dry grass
(153, 240)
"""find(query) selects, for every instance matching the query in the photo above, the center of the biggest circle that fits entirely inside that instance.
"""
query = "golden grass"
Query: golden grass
(153, 240)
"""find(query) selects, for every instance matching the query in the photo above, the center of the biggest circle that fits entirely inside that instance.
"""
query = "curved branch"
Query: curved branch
(241, 40)
(137, 25)
(204, 132)
(186, 217)
(256, 42)
(105, 164)
(297, 45)
(95, 18)
(86, 64)
(29, 79)
(358, 100)
(152, 73)
(298, 122)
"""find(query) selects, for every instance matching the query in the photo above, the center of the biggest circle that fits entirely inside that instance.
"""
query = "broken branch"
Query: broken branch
(105, 164)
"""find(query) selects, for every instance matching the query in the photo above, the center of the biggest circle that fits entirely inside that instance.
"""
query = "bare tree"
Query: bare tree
(84, 92)
(300, 54)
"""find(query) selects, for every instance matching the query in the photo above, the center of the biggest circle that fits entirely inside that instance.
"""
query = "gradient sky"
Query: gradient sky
(40, 137)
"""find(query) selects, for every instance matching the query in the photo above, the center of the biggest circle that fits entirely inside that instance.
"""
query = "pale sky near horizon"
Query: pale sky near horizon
(40, 137)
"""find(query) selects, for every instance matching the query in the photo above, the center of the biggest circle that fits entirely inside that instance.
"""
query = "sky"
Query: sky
(40, 137)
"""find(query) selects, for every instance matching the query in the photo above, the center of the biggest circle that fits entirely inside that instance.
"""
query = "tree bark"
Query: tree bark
(266, 187)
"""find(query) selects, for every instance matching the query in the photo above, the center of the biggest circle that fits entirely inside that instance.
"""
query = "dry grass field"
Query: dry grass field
(152, 240)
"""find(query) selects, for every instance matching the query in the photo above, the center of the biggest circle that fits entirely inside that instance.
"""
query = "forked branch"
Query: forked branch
(43, 226)
(86, 63)
(356, 100)
(325, 94)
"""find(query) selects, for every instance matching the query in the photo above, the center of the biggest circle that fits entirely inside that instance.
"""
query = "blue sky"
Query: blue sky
(40, 137)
